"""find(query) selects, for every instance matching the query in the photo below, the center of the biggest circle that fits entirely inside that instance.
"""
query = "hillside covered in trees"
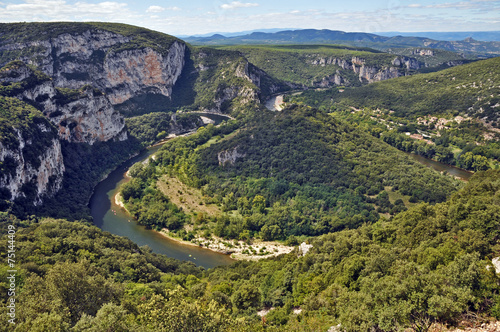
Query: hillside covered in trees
(297, 172)
(430, 264)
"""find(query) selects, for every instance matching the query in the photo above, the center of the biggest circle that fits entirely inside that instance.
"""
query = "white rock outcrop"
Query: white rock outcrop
(304, 248)
(75, 60)
(399, 66)
(229, 156)
(46, 175)
(87, 117)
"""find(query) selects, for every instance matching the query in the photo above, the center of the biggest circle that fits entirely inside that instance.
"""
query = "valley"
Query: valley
(354, 181)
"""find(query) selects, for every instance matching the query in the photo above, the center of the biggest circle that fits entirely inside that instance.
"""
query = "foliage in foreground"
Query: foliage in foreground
(429, 264)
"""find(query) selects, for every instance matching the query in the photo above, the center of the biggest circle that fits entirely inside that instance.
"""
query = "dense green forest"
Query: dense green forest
(153, 127)
(430, 264)
(297, 172)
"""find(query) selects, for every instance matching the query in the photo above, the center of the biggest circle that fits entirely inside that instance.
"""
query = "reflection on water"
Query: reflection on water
(440, 167)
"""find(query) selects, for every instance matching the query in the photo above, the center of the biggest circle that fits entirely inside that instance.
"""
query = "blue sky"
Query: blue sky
(196, 17)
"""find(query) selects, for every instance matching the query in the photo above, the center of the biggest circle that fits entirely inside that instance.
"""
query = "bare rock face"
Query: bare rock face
(132, 72)
(82, 116)
(90, 58)
(400, 66)
(89, 119)
(229, 156)
(44, 174)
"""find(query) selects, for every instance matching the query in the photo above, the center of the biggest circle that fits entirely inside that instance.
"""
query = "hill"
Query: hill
(135, 67)
(469, 89)
(312, 36)
(451, 115)
(86, 77)
(428, 267)
(298, 172)
(328, 65)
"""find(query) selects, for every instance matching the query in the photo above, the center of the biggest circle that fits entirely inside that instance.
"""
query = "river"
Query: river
(440, 167)
(110, 217)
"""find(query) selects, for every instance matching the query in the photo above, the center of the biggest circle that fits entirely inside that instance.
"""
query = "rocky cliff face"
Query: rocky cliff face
(400, 66)
(90, 118)
(104, 60)
(82, 116)
(225, 80)
(229, 156)
(29, 171)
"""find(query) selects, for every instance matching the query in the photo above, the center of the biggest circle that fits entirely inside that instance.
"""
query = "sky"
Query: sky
(190, 17)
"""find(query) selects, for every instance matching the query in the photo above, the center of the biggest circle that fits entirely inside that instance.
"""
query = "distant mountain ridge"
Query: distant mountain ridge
(486, 36)
(313, 36)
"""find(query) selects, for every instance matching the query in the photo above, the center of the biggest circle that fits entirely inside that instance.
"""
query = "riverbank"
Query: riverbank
(239, 250)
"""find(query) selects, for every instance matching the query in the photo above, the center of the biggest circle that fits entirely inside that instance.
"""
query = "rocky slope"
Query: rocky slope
(31, 161)
(83, 115)
(107, 60)
(366, 73)
(84, 76)
(137, 69)
(304, 66)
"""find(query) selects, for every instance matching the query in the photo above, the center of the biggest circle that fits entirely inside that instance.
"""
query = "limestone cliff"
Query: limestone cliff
(225, 80)
(84, 115)
(364, 72)
(31, 161)
(106, 60)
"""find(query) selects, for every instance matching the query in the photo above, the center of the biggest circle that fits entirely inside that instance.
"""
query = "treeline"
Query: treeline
(467, 159)
(299, 172)
(430, 264)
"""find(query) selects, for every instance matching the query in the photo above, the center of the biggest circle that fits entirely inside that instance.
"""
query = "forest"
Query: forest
(377, 241)
(430, 264)
(318, 175)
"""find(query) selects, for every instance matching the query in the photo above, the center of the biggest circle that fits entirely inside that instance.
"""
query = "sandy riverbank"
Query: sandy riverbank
(119, 201)
(239, 250)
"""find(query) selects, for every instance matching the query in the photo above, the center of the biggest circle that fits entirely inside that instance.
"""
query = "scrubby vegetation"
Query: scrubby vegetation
(469, 89)
(150, 128)
(296, 173)
(451, 115)
(297, 63)
(429, 264)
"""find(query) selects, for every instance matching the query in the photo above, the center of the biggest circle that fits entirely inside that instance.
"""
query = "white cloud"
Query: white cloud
(237, 4)
(155, 9)
(159, 9)
(465, 5)
(53, 10)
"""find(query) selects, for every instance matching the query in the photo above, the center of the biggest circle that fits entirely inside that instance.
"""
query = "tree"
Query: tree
(259, 204)
(247, 296)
